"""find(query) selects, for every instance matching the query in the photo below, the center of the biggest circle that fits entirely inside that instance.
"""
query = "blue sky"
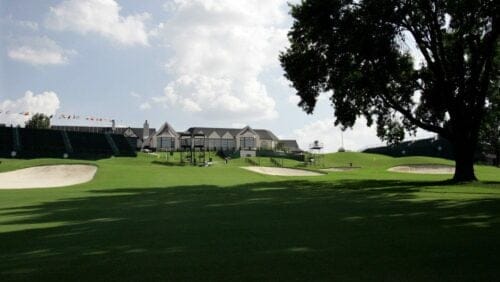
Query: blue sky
(188, 62)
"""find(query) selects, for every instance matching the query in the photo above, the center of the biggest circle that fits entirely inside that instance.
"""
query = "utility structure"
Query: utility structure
(193, 144)
(314, 157)
(342, 149)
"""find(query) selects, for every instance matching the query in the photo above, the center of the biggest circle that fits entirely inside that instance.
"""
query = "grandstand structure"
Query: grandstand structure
(136, 136)
(31, 143)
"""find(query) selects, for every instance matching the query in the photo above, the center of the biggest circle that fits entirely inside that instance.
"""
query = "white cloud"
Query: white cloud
(46, 102)
(145, 106)
(101, 17)
(357, 138)
(28, 24)
(135, 95)
(220, 50)
(39, 51)
(10, 22)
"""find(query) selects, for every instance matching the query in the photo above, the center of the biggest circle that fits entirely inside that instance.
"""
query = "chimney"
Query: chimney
(145, 132)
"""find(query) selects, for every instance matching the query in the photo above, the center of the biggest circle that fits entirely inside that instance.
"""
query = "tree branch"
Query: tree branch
(409, 115)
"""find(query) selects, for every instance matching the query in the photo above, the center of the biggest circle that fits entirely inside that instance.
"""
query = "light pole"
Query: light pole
(341, 149)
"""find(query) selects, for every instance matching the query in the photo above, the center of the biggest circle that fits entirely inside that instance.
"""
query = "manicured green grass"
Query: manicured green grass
(145, 219)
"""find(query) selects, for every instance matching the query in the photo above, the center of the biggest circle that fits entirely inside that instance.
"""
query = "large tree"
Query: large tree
(39, 121)
(402, 64)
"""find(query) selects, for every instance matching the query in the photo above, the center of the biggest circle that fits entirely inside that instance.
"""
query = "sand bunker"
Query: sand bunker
(281, 171)
(338, 169)
(47, 176)
(424, 169)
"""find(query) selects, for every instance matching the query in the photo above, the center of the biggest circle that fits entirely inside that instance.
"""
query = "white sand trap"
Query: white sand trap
(47, 176)
(281, 171)
(424, 169)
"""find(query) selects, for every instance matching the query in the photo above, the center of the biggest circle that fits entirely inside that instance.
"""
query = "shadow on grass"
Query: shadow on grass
(169, 163)
(287, 230)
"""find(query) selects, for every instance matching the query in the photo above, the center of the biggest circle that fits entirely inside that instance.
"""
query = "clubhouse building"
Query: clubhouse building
(246, 140)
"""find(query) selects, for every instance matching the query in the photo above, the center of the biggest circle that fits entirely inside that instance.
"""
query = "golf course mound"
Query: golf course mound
(47, 176)
(424, 169)
(279, 171)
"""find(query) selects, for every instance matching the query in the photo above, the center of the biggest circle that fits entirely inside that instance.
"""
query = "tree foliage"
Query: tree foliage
(363, 53)
(39, 121)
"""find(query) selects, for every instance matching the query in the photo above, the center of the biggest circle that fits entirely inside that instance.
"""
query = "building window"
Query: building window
(247, 142)
(227, 144)
(214, 143)
(231, 144)
(165, 143)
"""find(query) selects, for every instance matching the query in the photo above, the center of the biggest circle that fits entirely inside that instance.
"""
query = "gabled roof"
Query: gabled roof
(227, 135)
(216, 135)
(262, 133)
(266, 134)
(210, 130)
(245, 129)
(167, 128)
(290, 144)
(138, 132)
(129, 133)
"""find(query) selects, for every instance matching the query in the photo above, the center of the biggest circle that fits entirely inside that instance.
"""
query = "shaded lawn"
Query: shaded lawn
(300, 230)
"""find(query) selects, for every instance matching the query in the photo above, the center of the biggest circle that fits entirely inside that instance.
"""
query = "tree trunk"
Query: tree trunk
(464, 160)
